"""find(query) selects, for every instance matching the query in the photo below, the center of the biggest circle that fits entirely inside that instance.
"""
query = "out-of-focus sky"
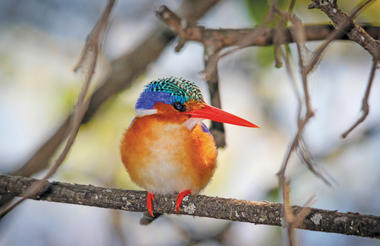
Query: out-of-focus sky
(40, 42)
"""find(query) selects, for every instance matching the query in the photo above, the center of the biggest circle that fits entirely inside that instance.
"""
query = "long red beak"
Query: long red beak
(215, 114)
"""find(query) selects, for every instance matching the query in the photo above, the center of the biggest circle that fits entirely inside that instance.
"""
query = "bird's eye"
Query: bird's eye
(179, 106)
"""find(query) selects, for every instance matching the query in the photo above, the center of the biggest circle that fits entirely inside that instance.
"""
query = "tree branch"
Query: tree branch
(212, 78)
(124, 70)
(358, 35)
(90, 54)
(355, 33)
(365, 104)
(211, 54)
(223, 38)
(266, 213)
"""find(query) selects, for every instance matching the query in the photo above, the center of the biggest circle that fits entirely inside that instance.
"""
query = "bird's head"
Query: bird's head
(181, 100)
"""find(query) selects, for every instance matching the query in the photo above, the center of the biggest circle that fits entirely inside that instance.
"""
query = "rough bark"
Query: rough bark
(124, 70)
(267, 213)
(354, 32)
(257, 36)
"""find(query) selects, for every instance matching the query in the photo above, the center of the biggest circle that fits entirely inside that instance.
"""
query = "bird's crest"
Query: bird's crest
(168, 90)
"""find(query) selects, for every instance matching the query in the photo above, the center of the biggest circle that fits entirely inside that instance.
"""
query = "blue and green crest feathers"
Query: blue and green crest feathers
(168, 90)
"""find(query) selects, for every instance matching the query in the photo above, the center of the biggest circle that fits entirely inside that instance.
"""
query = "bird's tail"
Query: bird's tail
(147, 218)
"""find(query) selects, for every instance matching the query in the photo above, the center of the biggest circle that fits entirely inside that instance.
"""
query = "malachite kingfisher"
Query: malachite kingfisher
(167, 149)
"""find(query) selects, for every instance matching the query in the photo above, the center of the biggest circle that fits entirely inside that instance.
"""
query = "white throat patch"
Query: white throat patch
(191, 122)
(144, 112)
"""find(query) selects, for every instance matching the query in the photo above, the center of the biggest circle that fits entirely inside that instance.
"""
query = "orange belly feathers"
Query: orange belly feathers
(166, 157)
(167, 149)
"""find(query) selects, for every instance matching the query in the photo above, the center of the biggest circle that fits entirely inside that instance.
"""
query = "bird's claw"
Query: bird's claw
(149, 203)
(179, 198)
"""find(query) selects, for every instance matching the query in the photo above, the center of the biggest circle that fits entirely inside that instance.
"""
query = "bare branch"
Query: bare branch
(298, 35)
(267, 213)
(355, 32)
(211, 57)
(360, 7)
(223, 38)
(124, 70)
(365, 104)
(92, 44)
(90, 51)
(302, 149)
(212, 78)
(259, 36)
(340, 30)
(358, 35)
(306, 158)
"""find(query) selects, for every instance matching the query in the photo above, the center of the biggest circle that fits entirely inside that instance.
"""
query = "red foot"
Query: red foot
(149, 204)
(180, 198)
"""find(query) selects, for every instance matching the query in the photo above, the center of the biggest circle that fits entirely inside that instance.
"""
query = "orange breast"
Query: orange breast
(164, 156)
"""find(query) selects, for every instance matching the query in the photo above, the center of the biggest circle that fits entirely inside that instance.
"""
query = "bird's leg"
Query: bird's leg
(149, 203)
(180, 197)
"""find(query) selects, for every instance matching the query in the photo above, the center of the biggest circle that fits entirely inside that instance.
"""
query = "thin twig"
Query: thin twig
(303, 150)
(124, 70)
(306, 158)
(340, 30)
(93, 38)
(210, 59)
(288, 212)
(354, 32)
(256, 34)
(299, 36)
(91, 46)
(288, 215)
(305, 211)
(291, 6)
(293, 83)
(365, 104)
(212, 78)
(360, 7)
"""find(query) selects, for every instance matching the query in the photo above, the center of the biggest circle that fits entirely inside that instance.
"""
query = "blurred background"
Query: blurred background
(40, 42)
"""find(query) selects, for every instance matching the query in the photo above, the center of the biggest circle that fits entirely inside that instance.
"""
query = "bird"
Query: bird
(167, 149)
